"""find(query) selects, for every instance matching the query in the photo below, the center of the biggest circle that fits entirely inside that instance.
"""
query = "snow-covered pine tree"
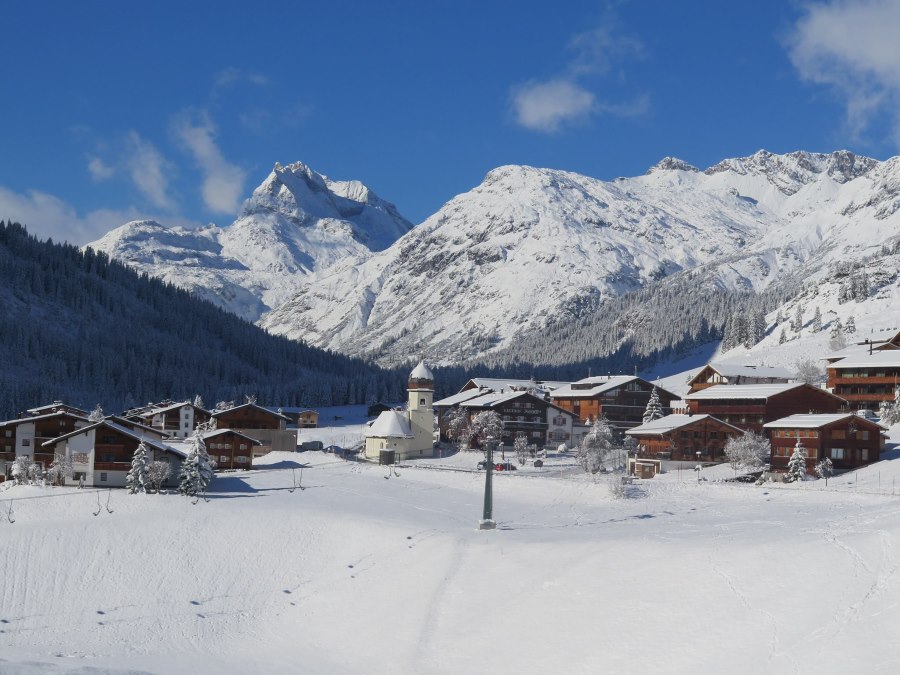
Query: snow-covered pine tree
(889, 411)
(198, 401)
(850, 328)
(597, 447)
(96, 414)
(486, 424)
(796, 468)
(836, 339)
(779, 318)
(61, 468)
(782, 337)
(797, 323)
(816, 325)
(137, 479)
(654, 409)
(196, 470)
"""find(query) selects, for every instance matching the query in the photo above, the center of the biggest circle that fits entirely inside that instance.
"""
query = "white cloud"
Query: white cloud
(100, 170)
(46, 215)
(546, 106)
(148, 170)
(228, 77)
(223, 182)
(565, 99)
(853, 48)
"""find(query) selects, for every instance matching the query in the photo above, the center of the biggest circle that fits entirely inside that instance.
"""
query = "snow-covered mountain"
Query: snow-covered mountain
(295, 223)
(530, 246)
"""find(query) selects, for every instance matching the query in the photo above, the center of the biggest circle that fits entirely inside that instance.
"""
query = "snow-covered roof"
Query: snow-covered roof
(732, 370)
(56, 404)
(152, 441)
(35, 418)
(815, 421)
(390, 424)
(216, 413)
(171, 406)
(421, 372)
(499, 384)
(456, 399)
(885, 357)
(591, 386)
(491, 398)
(668, 423)
(220, 432)
(743, 391)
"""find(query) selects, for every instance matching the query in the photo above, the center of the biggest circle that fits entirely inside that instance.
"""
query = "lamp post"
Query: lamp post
(487, 516)
(698, 466)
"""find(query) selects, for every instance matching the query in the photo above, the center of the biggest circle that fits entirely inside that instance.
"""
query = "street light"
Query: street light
(698, 466)
(487, 516)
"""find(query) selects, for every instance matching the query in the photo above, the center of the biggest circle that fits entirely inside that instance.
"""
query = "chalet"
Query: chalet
(406, 433)
(750, 406)
(177, 420)
(542, 422)
(230, 449)
(266, 426)
(847, 439)
(865, 380)
(24, 437)
(300, 418)
(102, 451)
(622, 399)
(684, 438)
(712, 374)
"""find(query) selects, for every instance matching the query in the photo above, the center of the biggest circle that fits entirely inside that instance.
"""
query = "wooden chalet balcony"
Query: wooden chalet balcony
(112, 466)
(730, 410)
(865, 379)
(875, 396)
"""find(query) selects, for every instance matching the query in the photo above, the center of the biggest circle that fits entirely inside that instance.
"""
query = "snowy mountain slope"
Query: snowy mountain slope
(532, 246)
(296, 222)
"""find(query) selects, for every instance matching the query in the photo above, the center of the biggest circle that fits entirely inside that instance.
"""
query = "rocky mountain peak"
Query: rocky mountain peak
(672, 164)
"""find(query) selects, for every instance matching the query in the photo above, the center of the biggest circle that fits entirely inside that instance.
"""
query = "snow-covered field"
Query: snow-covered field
(359, 573)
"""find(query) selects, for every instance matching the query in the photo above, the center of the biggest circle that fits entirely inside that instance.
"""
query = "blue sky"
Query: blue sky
(113, 111)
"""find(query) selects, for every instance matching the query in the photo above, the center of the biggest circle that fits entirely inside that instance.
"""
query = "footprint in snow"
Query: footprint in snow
(286, 590)
(196, 602)
(100, 612)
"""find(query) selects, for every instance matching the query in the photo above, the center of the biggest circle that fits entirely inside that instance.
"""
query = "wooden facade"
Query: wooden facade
(621, 399)
(711, 375)
(249, 416)
(230, 449)
(681, 437)
(868, 380)
(848, 440)
(541, 422)
(749, 407)
(25, 436)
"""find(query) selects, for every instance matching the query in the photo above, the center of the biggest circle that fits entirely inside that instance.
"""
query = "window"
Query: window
(26, 442)
(8, 433)
(421, 401)
(837, 453)
(243, 446)
(862, 435)
(103, 477)
(838, 433)
(713, 434)
(223, 459)
(240, 459)
(684, 434)
(864, 454)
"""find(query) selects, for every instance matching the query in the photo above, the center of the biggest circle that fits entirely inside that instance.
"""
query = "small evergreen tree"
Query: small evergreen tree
(836, 338)
(816, 325)
(137, 479)
(196, 470)
(796, 469)
(654, 409)
(198, 401)
(96, 414)
(782, 338)
(850, 328)
(797, 324)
